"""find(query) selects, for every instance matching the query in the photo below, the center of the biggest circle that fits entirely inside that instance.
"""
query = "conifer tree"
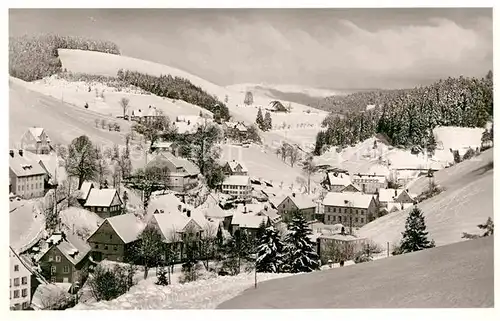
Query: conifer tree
(260, 120)
(415, 234)
(269, 252)
(162, 276)
(299, 252)
(268, 122)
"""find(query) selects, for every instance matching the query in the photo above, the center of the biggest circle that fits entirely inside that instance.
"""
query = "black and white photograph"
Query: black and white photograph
(250, 158)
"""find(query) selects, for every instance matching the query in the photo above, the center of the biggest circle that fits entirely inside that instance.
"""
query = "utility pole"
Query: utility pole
(387, 249)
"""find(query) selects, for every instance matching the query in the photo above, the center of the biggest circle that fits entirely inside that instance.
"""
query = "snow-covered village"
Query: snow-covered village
(243, 162)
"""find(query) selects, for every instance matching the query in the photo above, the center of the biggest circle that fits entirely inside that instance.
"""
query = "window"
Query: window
(51, 259)
(16, 268)
(26, 305)
(16, 282)
(24, 280)
(10, 283)
(356, 211)
(58, 258)
(98, 209)
(65, 269)
(110, 236)
(16, 294)
(97, 246)
(362, 220)
(334, 210)
(24, 293)
(356, 220)
(53, 269)
(340, 218)
(115, 247)
(333, 218)
(345, 210)
(53, 279)
(105, 247)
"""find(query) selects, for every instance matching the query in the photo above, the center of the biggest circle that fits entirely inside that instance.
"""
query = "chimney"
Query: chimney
(21, 152)
(342, 231)
(395, 192)
(179, 207)
(11, 153)
(188, 213)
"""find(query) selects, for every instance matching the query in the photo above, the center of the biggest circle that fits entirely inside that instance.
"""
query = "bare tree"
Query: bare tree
(208, 244)
(124, 103)
(56, 299)
(81, 159)
(149, 250)
(102, 167)
(293, 153)
(309, 169)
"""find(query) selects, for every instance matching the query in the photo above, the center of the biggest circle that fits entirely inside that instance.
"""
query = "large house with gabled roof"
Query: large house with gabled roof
(182, 174)
(344, 207)
(297, 202)
(235, 168)
(115, 237)
(36, 140)
(104, 202)
(65, 259)
(27, 177)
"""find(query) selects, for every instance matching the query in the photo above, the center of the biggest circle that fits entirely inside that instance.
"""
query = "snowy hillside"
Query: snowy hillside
(312, 92)
(204, 294)
(466, 202)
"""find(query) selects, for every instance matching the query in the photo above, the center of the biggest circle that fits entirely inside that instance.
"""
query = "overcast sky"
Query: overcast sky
(330, 48)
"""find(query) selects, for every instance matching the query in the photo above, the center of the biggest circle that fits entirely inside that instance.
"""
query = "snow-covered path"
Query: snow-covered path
(204, 294)
(26, 225)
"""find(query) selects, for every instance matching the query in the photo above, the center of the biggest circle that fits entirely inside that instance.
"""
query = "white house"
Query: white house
(391, 195)
(235, 168)
(337, 181)
(20, 282)
(239, 186)
(27, 177)
(370, 184)
(36, 140)
(104, 202)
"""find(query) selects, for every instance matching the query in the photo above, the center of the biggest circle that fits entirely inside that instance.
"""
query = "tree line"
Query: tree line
(36, 57)
(176, 88)
(407, 117)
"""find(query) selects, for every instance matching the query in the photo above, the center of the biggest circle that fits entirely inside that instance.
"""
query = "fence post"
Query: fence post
(387, 249)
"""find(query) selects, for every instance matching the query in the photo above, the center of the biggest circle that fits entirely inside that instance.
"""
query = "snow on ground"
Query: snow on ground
(203, 294)
(264, 89)
(466, 202)
(80, 221)
(26, 224)
(76, 93)
(460, 138)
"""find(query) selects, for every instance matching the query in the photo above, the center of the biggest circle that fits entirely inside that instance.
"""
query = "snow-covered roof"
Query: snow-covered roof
(166, 203)
(338, 179)
(241, 127)
(37, 132)
(238, 180)
(170, 224)
(212, 209)
(323, 228)
(85, 190)
(356, 200)
(233, 164)
(379, 169)
(179, 163)
(22, 166)
(72, 247)
(396, 206)
(127, 226)
(248, 220)
(151, 112)
(340, 237)
(355, 186)
(302, 201)
(388, 194)
(379, 178)
(101, 197)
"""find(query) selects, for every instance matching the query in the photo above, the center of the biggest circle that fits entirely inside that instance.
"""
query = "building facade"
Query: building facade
(36, 140)
(20, 283)
(299, 203)
(349, 209)
(370, 184)
(104, 202)
(27, 178)
(238, 186)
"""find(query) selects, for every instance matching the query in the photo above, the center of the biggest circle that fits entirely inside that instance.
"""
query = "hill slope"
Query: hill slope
(454, 276)
(466, 202)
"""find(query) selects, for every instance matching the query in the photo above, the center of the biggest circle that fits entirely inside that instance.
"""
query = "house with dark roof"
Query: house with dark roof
(65, 259)
(297, 202)
(104, 202)
(115, 237)
(27, 177)
(182, 174)
(36, 140)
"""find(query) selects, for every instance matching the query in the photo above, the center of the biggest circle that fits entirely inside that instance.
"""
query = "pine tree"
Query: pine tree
(269, 252)
(415, 234)
(260, 120)
(248, 98)
(299, 252)
(268, 122)
(162, 276)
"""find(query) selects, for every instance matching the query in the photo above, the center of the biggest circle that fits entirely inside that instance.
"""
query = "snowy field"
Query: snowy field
(466, 202)
(204, 294)
(26, 224)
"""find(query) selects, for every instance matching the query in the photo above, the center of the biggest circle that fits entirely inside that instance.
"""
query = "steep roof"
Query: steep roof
(85, 190)
(100, 197)
(170, 224)
(72, 247)
(178, 162)
(127, 226)
(212, 209)
(302, 201)
(356, 200)
(37, 132)
(239, 180)
(379, 178)
(22, 166)
(166, 203)
(338, 179)
(353, 185)
(233, 164)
